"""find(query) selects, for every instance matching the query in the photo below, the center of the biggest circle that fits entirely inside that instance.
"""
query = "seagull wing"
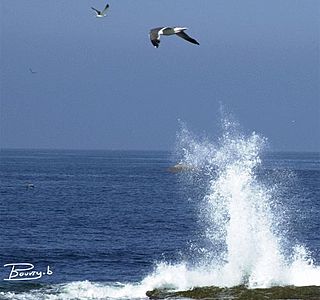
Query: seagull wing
(155, 43)
(155, 36)
(183, 35)
(97, 11)
(105, 9)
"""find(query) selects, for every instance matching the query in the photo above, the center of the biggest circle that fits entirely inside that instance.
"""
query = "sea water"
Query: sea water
(115, 224)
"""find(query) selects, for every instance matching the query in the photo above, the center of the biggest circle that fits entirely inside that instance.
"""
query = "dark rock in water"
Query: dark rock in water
(240, 293)
(180, 168)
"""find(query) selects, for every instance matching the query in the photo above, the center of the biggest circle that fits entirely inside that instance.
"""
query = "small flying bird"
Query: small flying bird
(29, 186)
(31, 71)
(101, 14)
(179, 31)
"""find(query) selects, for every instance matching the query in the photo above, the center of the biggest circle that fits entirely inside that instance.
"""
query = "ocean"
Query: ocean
(96, 224)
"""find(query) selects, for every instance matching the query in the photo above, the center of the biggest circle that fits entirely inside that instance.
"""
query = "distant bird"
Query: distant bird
(31, 71)
(101, 14)
(29, 186)
(179, 31)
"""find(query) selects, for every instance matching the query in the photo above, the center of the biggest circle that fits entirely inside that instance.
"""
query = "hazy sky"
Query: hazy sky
(100, 84)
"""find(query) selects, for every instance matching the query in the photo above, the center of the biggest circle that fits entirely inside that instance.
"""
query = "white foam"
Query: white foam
(238, 215)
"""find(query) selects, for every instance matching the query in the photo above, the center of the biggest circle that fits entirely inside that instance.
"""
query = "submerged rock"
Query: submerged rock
(180, 167)
(240, 293)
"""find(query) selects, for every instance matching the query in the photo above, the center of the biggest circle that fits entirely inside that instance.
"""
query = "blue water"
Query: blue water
(95, 215)
(111, 216)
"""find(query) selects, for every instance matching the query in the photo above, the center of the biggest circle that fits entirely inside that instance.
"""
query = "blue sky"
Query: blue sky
(100, 84)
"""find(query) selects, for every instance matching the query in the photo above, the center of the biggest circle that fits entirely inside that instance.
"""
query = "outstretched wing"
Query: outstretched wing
(183, 35)
(105, 9)
(97, 11)
(155, 37)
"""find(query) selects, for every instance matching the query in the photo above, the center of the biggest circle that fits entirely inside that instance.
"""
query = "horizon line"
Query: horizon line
(137, 150)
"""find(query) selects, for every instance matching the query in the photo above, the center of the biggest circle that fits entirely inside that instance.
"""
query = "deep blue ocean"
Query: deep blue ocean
(113, 224)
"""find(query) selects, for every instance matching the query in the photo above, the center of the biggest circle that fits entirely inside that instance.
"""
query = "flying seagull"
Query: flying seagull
(29, 186)
(179, 31)
(101, 14)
